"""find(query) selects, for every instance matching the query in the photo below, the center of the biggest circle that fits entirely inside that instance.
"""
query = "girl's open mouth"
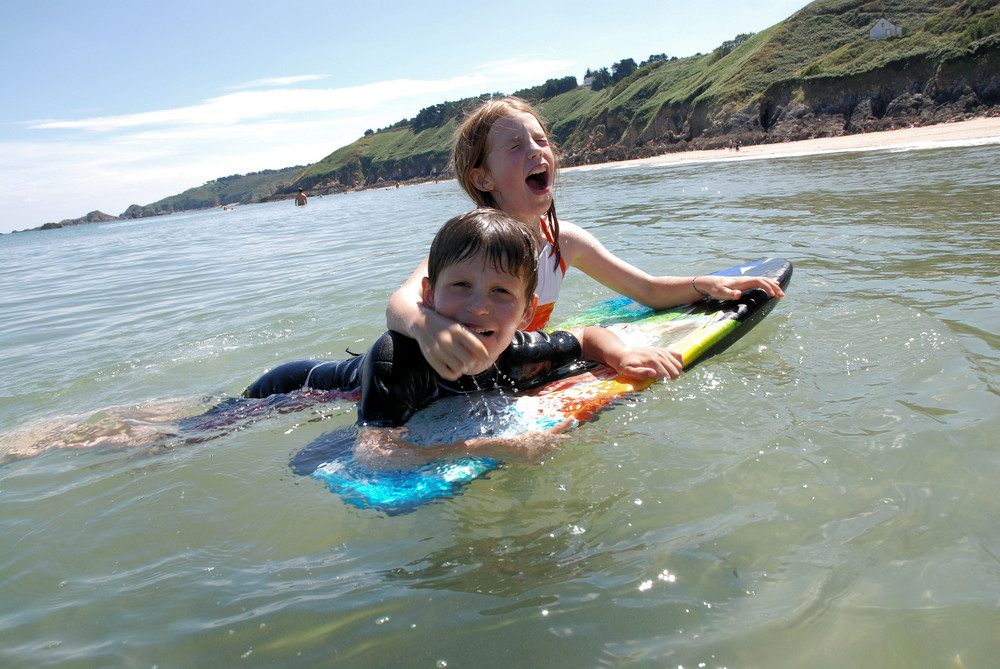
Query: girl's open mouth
(538, 180)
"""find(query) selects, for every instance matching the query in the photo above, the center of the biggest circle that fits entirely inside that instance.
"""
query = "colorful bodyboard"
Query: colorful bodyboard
(697, 331)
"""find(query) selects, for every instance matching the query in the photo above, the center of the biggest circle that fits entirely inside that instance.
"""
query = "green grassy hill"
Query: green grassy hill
(815, 74)
(393, 154)
(235, 189)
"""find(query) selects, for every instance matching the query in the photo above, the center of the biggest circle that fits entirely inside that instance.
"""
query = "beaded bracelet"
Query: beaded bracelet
(696, 287)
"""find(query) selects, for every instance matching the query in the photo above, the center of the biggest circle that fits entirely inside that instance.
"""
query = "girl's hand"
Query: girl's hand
(732, 287)
(450, 348)
(643, 362)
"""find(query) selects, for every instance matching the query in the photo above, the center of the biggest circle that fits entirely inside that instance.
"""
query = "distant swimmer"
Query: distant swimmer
(300, 199)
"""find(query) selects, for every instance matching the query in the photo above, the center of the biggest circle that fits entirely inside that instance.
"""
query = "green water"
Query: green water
(824, 494)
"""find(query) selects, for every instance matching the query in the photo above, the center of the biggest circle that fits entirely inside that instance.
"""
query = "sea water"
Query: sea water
(823, 494)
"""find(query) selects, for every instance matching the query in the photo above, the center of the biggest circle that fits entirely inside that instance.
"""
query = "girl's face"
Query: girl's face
(489, 303)
(519, 167)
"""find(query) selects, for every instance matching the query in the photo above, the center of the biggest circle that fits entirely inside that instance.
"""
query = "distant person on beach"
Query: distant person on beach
(503, 159)
(300, 199)
(482, 271)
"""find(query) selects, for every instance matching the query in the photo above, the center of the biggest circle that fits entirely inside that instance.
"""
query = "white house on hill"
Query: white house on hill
(883, 28)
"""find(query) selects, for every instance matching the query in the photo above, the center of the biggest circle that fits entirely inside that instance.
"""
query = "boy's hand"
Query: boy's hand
(633, 362)
(450, 348)
(387, 448)
(527, 446)
(650, 362)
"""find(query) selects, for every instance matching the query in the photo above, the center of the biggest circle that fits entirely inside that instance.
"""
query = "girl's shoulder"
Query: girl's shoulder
(569, 226)
(573, 234)
(575, 241)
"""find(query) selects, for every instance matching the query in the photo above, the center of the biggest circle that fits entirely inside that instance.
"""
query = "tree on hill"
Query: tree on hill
(602, 79)
(622, 69)
(655, 58)
(549, 89)
(727, 47)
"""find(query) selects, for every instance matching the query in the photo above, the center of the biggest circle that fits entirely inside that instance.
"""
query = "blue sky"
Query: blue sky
(114, 103)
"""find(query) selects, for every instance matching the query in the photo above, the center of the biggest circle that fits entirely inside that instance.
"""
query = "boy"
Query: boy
(482, 272)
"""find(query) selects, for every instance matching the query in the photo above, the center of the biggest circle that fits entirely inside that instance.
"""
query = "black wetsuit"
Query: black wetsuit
(395, 380)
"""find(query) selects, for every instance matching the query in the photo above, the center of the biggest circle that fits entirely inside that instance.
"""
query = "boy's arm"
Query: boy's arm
(634, 362)
(387, 447)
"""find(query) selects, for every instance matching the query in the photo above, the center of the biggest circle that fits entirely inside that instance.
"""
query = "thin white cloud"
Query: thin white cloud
(278, 82)
(63, 167)
(245, 105)
(514, 68)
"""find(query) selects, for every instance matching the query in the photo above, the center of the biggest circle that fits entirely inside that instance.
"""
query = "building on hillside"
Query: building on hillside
(883, 28)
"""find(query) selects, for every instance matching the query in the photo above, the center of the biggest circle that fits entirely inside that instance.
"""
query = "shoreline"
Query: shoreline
(981, 130)
(984, 130)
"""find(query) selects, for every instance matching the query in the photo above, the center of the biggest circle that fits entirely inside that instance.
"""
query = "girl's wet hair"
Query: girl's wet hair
(471, 147)
(506, 244)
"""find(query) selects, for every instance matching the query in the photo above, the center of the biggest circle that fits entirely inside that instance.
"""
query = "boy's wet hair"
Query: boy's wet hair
(506, 244)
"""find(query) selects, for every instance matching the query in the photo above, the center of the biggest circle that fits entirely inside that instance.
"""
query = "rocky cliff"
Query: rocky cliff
(817, 74)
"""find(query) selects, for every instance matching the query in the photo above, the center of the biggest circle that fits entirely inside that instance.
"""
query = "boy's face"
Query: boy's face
(488, 302)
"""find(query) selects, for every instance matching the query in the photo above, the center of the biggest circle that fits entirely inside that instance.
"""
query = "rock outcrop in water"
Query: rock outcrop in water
(92, 217)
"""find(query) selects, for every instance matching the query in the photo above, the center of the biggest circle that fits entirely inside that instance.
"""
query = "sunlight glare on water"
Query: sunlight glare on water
(823, 494)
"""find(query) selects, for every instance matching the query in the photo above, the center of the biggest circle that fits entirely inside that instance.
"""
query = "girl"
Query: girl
(503, 159)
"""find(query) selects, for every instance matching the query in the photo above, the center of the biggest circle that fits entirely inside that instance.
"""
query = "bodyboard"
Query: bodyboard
(698, 331)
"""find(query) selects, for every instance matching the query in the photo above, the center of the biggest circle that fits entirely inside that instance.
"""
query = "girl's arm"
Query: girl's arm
(448, 347)
(634, 362)
(586, 253)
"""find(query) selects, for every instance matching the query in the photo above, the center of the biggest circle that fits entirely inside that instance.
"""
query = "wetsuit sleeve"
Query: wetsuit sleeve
(282, 379)
(393, 376)
(396, 381)
(300, 374)
(535, 358)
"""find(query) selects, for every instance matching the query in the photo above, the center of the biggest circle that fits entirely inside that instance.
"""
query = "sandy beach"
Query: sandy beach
(979, 130)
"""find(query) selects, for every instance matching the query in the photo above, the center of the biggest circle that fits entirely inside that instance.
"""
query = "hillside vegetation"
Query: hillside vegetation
(815, 74)
(231, 190)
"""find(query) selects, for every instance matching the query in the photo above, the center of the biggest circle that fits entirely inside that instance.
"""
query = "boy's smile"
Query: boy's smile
(486, 301)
